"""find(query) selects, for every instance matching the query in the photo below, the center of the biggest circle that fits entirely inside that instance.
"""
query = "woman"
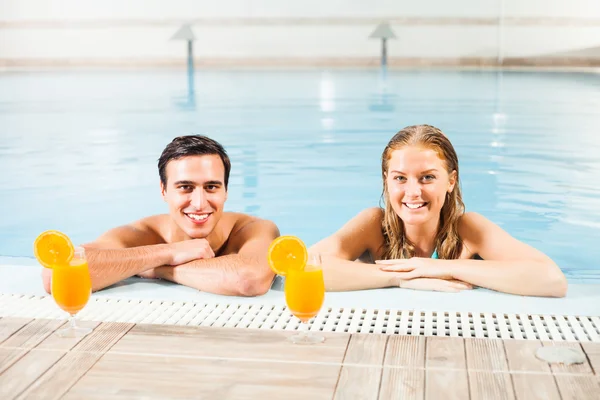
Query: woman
(423, 239)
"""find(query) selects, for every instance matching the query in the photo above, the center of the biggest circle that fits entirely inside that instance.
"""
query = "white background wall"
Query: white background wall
(274, 31)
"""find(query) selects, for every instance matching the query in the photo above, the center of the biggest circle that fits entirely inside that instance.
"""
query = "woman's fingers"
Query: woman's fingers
(438, 285)
(395, 265)
(460, 284)
(389, 262)
(408, 275)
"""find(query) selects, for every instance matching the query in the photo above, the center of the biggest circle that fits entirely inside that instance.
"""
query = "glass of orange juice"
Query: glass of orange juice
(71, 290)
(304, 296)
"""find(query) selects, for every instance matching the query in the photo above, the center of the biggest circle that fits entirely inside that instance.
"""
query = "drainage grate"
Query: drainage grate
(350, 320)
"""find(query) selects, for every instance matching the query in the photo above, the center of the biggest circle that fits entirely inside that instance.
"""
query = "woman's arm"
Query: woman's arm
(508, 264)
(340, 250)
(363, 234)
(343, 275)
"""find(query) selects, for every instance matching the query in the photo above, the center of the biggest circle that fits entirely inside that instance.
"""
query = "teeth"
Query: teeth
(414, 205)
(198, 217)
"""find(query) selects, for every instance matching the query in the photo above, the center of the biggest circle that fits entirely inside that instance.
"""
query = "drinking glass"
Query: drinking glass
(71, 290)
(304, 296)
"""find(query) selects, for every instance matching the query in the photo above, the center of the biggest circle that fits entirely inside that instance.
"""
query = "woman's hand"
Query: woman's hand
(417, 267)
(437, 285)
(424, 274)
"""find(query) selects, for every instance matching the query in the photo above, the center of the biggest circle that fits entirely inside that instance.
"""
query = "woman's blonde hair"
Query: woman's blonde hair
(448, 243)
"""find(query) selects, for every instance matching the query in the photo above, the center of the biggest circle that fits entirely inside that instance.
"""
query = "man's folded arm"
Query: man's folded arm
(120, 253)
(243, 271)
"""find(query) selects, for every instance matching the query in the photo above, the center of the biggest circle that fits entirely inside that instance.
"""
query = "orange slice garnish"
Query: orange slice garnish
(53, 248)
(287, 253)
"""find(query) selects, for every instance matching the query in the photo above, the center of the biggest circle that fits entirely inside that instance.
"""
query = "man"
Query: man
(196, 244)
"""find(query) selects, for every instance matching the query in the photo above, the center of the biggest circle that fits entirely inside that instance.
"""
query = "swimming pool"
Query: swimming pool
(79, 149)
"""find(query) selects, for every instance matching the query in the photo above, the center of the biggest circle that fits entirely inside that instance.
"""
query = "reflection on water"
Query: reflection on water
(187, 102)
(79, 150)
(383, 100)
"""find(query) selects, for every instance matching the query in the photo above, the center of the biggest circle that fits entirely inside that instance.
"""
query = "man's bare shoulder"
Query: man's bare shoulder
(145, 231)
(153, 222)
(245, 227)
(240, 221)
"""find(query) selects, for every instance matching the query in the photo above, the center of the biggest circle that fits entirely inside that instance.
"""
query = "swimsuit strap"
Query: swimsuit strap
(435, 255)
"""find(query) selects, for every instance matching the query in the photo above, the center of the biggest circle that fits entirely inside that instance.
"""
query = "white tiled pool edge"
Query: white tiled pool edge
(473, 313)
(348, 320)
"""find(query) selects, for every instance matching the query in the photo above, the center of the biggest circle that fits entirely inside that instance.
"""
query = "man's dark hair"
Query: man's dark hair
(192, 145)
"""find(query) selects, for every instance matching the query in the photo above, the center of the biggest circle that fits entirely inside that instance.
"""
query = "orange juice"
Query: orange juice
(305, 292)
(71, 285)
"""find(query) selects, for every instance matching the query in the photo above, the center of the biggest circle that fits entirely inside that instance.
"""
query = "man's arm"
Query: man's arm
(128, 250)
(243, 271)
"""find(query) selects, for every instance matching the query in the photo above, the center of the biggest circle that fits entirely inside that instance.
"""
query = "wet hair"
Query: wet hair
(448, 243)
(192, 145)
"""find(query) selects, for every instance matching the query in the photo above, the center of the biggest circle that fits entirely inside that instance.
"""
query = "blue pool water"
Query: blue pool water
(78, 150)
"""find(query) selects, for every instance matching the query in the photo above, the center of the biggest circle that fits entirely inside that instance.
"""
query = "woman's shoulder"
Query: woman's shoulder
(370, 225)
(367, 224)
(471, 222)
(374, 214)
(472, 227)
(466, 227)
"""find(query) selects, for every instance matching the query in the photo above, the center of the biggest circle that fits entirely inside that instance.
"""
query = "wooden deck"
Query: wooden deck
(124, 361)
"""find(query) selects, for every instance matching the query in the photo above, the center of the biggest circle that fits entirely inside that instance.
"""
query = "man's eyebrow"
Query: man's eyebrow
(192, 183)
(184, 183)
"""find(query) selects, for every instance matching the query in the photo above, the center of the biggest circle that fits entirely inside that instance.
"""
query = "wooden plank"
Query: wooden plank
(445, 353)
(521, 358)
(358, 383)
(593, 353)
(405, 351)
(8, 326)
(486, 355)
(490, 386)
(581, 369)
(404, 368)
(578, 387)
(535, 387)
(487, 368)
(70, 368)
(131, 376)
(366, 349)
(361, 373)
(204, 342)
(446, 367)
(33, 365)
(19, 344)
(403, 384)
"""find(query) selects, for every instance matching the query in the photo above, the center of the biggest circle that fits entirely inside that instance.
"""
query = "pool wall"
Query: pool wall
(36, 33)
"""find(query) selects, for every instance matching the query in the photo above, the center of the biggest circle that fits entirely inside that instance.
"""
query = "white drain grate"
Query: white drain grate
(350, 320)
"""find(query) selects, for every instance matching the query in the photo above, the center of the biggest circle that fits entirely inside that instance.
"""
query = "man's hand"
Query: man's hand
(189, 250)
(47, 279)
(183, 252)
(148, 274)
